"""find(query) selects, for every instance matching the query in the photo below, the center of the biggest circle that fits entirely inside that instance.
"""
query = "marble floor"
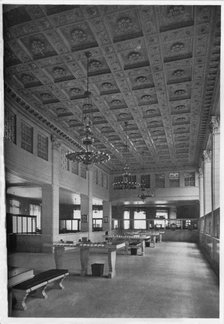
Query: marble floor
(172, 280)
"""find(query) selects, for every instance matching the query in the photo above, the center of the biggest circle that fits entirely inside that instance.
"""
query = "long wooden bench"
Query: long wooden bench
(37, 285)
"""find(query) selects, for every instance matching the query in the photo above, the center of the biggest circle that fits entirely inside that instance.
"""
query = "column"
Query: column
(215, 128)
(84, 212)
(207, 182)
(107, 216)
(90, 195)
(86, 206)
(50, 202)
(201, 191)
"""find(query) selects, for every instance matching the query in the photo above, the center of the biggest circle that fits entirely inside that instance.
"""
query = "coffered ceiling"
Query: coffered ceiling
(154, 67)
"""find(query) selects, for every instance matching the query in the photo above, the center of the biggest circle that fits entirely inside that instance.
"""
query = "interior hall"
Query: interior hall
(111, 161)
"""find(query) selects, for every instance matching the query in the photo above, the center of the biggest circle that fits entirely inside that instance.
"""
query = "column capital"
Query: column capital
(56, 142)
(215, 125)
(207, 154)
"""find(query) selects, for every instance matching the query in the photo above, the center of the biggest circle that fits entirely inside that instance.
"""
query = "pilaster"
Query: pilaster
(107, 216)
(50, 201)
(207, 182)
(215, 130)
(201, 191)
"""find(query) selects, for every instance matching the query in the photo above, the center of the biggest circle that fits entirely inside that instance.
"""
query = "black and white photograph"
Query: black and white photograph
(111, 162)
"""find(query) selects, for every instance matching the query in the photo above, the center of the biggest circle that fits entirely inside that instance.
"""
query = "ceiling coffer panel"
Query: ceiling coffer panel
(153, 75)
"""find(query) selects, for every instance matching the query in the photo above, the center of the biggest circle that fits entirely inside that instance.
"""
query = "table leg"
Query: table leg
(84, 258)
(111, 263)
(160, 237)
(59, 256)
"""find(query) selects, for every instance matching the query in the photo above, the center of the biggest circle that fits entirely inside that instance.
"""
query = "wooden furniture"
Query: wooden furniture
(85, 247)
(38, 284)
(17, 275)
(129, 239)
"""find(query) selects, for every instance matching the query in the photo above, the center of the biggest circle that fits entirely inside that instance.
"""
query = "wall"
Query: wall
(28, 243)
(161, 194)
(188, 211)
(209, 239)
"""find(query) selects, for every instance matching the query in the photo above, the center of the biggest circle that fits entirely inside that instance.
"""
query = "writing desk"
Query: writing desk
(85, 247)
(129, 239)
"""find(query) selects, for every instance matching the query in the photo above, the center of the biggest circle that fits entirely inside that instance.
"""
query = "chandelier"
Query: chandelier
(126, 180)
(88, 155)
(145, 192)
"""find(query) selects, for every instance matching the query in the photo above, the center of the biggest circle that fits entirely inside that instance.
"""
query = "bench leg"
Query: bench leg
(58, 283)
(20, 296)
(39, 293)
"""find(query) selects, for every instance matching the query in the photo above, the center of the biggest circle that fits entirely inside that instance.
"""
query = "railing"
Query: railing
(69, 225)
(22, 224)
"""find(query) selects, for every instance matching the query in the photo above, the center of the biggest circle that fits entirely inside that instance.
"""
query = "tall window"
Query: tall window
(75, 167)
(145, 180)
(76, 218)
(189, 179)
(160, 180)
(42, 147)
(26, 137)
(35, 210)
(10, 126)
(126, 219)
(139, 220)
(71, 225)
(97, 219)
(114, 223)
(174, 179)
(24, 224)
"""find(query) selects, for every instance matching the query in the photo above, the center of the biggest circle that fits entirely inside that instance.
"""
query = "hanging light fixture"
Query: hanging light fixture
(125, 181)
(88, 155)
(145, 192)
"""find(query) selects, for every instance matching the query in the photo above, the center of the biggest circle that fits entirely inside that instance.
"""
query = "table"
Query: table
(130, 238)
(15, 276)
(155, 235)
(85, 247)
